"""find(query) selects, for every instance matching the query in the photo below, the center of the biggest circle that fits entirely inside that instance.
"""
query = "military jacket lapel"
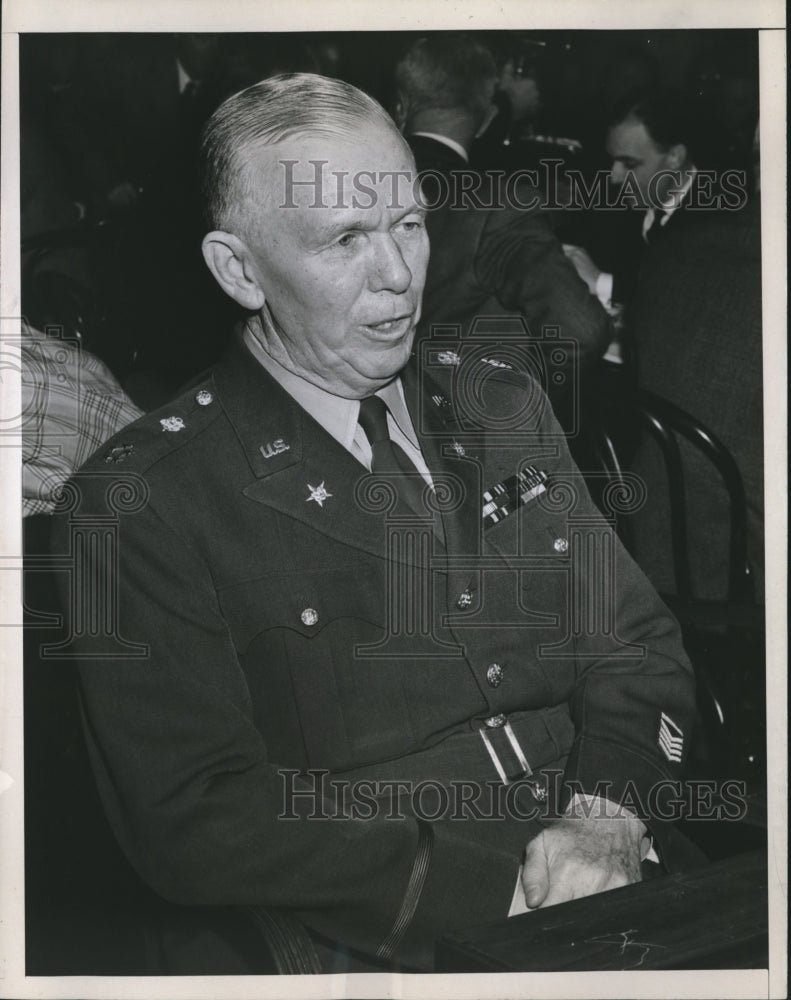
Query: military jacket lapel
(297, 467)
(454, 468)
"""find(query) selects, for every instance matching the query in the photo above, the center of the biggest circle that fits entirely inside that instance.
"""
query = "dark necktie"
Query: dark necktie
(388, 459)
(655, 229)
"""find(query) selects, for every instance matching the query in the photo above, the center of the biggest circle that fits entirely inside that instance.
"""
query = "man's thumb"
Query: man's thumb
(535, 873)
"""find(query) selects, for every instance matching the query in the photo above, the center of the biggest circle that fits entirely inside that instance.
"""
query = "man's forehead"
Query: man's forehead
(630, 137)
(374, 168)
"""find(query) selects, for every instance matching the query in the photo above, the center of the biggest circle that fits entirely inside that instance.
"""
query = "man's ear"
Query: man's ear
(401, 110)
(228, 259)
(676, 156)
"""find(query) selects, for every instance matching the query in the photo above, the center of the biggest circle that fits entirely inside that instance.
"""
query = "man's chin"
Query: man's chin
(382, 366)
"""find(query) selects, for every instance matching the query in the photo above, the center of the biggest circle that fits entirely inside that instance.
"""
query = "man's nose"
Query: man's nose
(389, 270)
(617, 173)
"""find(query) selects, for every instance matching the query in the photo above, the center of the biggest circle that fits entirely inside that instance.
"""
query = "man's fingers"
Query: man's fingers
(576, 858)
(560, 891)
(535, 873)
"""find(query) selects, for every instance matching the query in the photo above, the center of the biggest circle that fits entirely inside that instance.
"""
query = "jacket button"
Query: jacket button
(560, 545)
(494, 675)
(494, 721)
(309, 616)
(204, 398)
(464, 600)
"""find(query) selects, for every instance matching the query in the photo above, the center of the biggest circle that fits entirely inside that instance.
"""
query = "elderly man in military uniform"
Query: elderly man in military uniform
(379, 660)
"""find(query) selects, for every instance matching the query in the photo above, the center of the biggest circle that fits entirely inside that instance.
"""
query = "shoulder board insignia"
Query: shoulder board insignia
(497, 364)
(172, 424)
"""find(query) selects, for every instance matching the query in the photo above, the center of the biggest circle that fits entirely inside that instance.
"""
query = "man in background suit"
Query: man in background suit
(300, 538)
(657, 185)
(495, 257)
(693, 306)
(688, 276)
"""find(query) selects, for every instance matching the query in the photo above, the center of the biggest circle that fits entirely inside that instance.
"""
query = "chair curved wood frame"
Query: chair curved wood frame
(723, 637)
(663, 420)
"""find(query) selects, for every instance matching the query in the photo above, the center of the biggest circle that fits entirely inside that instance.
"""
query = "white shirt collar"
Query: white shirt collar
(671, 204)
(676, 197)
(450, 143)
(184, 77)
(336, 414)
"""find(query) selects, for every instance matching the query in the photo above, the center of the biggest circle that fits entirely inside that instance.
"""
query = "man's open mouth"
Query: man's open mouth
(391, 327)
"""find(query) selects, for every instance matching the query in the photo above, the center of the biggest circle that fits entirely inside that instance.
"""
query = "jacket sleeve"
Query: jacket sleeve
(194, 800)
(521, 262)
(629, 683)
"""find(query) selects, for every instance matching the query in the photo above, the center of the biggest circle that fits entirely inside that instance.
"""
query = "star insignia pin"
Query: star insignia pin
(458, 448)
(318, 493)
(448, 358)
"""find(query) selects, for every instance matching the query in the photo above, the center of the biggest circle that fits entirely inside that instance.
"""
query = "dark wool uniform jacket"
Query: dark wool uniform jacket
(495, 256)
(278, 637)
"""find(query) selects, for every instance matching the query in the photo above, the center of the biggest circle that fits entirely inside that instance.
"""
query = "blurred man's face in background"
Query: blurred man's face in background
(522, 91)
(632, 149)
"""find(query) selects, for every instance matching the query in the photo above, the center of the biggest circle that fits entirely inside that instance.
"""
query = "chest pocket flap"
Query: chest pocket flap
(302, 602)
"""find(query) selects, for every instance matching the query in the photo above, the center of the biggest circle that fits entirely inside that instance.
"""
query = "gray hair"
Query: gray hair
(445, 70)
(281, 107)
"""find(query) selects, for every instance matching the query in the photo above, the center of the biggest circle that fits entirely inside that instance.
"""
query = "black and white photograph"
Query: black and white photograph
(392, 430)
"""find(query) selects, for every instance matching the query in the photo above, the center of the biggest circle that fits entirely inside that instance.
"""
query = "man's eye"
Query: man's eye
(411, 225)
(346, 240)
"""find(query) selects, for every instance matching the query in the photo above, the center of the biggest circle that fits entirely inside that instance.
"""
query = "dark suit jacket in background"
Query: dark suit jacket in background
(696, 319)
(504, 263)
(215, 571)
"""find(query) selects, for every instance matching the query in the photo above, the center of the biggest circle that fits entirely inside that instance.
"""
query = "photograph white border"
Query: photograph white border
(344, 15)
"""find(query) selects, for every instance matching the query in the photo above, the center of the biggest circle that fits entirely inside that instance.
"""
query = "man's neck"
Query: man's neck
(443, 140)
(260, 333)
(676, 192)
(453, 123)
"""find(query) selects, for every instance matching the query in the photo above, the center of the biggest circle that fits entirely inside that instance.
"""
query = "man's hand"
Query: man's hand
(579, 856)
(583, 262)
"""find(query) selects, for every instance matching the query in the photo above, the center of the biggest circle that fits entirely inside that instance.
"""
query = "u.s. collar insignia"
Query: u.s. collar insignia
(318, 493)
(448, 358)
(272, 448)
(458, 448)
(172, 424)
